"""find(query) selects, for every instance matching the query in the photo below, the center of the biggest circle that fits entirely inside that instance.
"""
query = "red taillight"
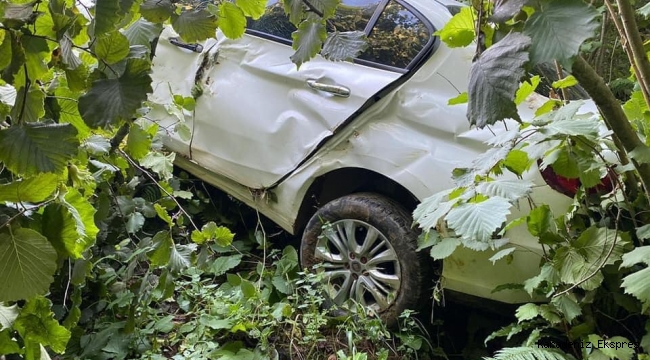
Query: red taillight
(569, 187)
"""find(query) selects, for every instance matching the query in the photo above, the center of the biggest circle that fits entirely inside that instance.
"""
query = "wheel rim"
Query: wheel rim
(358, 263)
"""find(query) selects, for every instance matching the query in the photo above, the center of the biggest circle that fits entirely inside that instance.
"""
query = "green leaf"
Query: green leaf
(221, 235)
(5, 50)
(68, 57)
(529, 353)
(162, 249)
(565, 83)
(96, 145)
(161, 164)
(478, 221)
(110, 100)
(28, 264)
(215, 323)
(36, 147)
(162, 213)
(195, 25)
(643, 232)
(112, 47)
(527, 312)
(540, 221)
(308, 39)
(526, 89)
(494, 80)
(641, 154)
(143, 32)
(134, 222)
(295, 10)
(636, 108)
(344, 46)
(511, 189)
(460, 99)
(231, 20)
(517, 161)
(157, 11)
(460, 30)
(501, 254)
(34, 189)
(248, 289)
(444, 248)
(223, 264)
(505, 10)
(106, 16)
(427, 239)
(15, 15)
(8, 315)
(181, 257)
(637, 284)
(252, 8)
(138, 143)
(326, 7)
(36, 324)
(548, 28)
(548, 106)
(31, 107)
(7, 344)
(568, 306)
(644, 10)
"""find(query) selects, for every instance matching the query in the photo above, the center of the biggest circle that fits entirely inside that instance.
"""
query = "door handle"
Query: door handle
(192, 47)
(337, 90)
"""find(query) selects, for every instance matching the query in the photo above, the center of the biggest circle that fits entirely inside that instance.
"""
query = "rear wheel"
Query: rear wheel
(367, 249)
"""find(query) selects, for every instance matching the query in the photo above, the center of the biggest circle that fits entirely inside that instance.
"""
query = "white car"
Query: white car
(341, 153)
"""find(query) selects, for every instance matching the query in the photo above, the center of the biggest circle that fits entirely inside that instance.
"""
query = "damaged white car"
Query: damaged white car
(341, 153)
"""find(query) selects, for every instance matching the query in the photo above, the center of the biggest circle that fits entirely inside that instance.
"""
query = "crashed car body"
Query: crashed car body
(340, 153)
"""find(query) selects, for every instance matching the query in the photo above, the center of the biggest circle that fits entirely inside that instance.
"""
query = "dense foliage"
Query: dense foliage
(595, 254)
(94, 226)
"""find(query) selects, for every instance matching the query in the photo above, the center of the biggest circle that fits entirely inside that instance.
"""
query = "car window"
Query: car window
(350, 15)
(397, 37)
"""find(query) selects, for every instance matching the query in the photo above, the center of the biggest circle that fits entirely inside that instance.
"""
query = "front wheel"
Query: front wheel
(367, 249)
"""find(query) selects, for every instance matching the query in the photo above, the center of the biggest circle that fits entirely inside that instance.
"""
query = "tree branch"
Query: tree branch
(612, 113)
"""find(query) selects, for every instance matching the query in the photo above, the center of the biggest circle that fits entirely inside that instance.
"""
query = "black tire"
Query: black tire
(389, 219)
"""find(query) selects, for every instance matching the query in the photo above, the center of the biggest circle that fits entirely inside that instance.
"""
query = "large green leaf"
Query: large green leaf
(505, 10)
(460, 30)
(29, 107)
(36, 147)
(110, 100)
(138, 143)
(252, 8)
(70, 224)
(106, 16)
(478, 221)
(444, 248)
(325, 7)
(36, 324)
(494, 80)
(161, 164)
(8, 315)
(68, 57)
(27, 264)
(308, 39)
(143, 32)
(5, 50)
(195, 25)
(157, 11)
(638, 283)
(224, 263)
(342, 46)
(232, 21)
(112, 47)
(511, 189)
(15, 15)
(33, 189)
(548, 28)
(295, 10)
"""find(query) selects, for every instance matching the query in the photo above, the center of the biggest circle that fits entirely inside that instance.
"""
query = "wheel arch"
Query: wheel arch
(346, 181)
